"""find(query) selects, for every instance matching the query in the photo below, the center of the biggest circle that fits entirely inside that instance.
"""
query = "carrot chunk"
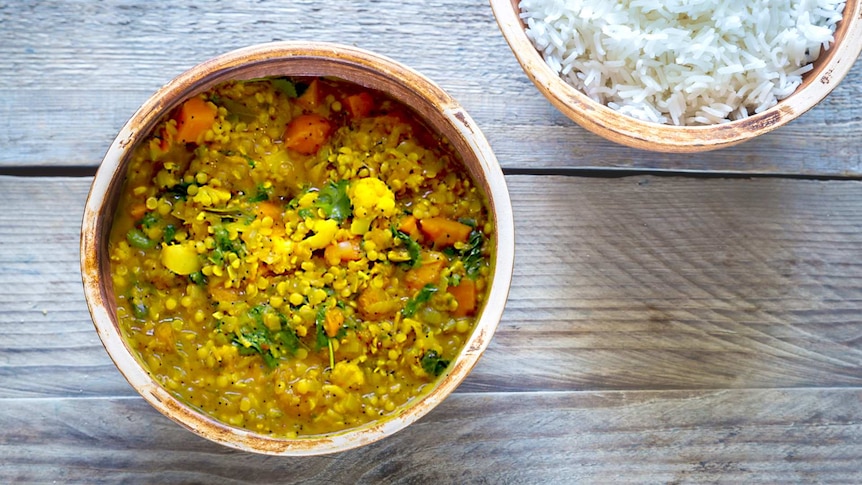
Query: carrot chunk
(307, 133)
(465, 295)
(311, 97)
(271, 209)
(194, 118)
(444, 232)
(359, 105)
(428, 273)
(408, 225)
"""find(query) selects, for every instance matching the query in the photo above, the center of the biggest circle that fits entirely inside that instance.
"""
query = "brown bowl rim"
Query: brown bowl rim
(257, 61)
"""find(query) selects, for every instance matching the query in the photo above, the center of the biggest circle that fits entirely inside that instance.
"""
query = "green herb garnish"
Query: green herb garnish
(433, 364)
(198, 278)
(285, 86)
(414, 249)
(472, 254)
(138, 239)
(334, 202)
(149, 219)
(261, 195)
(420, 299)
(170, 233)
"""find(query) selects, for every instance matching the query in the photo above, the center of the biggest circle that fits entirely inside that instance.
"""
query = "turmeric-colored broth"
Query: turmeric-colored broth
(297, 256)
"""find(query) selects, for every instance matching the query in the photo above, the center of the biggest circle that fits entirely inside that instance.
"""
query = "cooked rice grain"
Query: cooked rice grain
(682, 62)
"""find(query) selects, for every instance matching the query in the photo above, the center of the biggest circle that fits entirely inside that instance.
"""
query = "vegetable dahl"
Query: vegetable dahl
(298, 256)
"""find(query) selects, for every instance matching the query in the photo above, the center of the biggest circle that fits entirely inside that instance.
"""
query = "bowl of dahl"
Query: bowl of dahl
(297, 248)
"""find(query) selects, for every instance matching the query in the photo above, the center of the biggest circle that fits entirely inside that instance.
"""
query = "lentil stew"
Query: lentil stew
(297, 256)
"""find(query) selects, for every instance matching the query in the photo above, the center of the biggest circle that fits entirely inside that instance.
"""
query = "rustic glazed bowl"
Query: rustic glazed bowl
(828, 71)
(439, 111)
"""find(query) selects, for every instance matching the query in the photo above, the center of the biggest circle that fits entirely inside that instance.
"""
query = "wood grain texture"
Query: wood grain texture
(628, 283)
(735, 436)
(71, 73)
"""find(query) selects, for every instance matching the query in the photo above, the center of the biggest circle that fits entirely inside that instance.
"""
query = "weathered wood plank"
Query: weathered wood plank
(61, 62)
(630, 283)
(738, 436)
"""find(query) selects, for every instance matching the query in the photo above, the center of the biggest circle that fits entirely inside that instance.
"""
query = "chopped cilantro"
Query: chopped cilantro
(472, 254)
(170, 232)
(334, 202)
(256, 338)
(139, 309)
(432, 363)
(413, 247)
(198, 278)
(261, 195)
(420, 299)
(258, 341)
(223, 245)
(321, 340)
(149, 219)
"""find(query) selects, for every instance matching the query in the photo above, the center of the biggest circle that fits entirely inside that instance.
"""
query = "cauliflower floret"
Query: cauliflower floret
(324, 233)
(370, 198)
(211, 196)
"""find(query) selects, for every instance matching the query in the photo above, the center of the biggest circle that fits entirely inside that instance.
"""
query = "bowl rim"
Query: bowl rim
(109, 178)
(597, 118)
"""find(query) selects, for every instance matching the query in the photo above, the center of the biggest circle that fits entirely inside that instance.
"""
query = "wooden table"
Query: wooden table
(673, 318)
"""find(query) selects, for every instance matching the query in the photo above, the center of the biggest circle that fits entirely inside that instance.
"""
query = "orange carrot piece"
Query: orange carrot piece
(194, 118)
(408, 226)
(311, 97)
(332, 321)
(359, 105)
(138, 210)
(221, 294)
(271, 209)
(444, 232)
(307, 133)
(337, 252)
(465, 295)
(428, 273)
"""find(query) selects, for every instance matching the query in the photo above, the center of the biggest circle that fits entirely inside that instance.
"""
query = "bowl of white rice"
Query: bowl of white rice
(683, 75)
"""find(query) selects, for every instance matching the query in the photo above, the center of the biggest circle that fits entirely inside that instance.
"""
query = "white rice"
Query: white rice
(682, 62)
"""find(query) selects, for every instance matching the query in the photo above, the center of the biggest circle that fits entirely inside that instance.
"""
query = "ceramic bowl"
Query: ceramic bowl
(431, 103)
(828, 71)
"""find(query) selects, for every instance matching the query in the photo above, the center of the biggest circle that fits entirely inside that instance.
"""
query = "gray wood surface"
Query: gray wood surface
(74, 72)
(659, 329)
(667, 323)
